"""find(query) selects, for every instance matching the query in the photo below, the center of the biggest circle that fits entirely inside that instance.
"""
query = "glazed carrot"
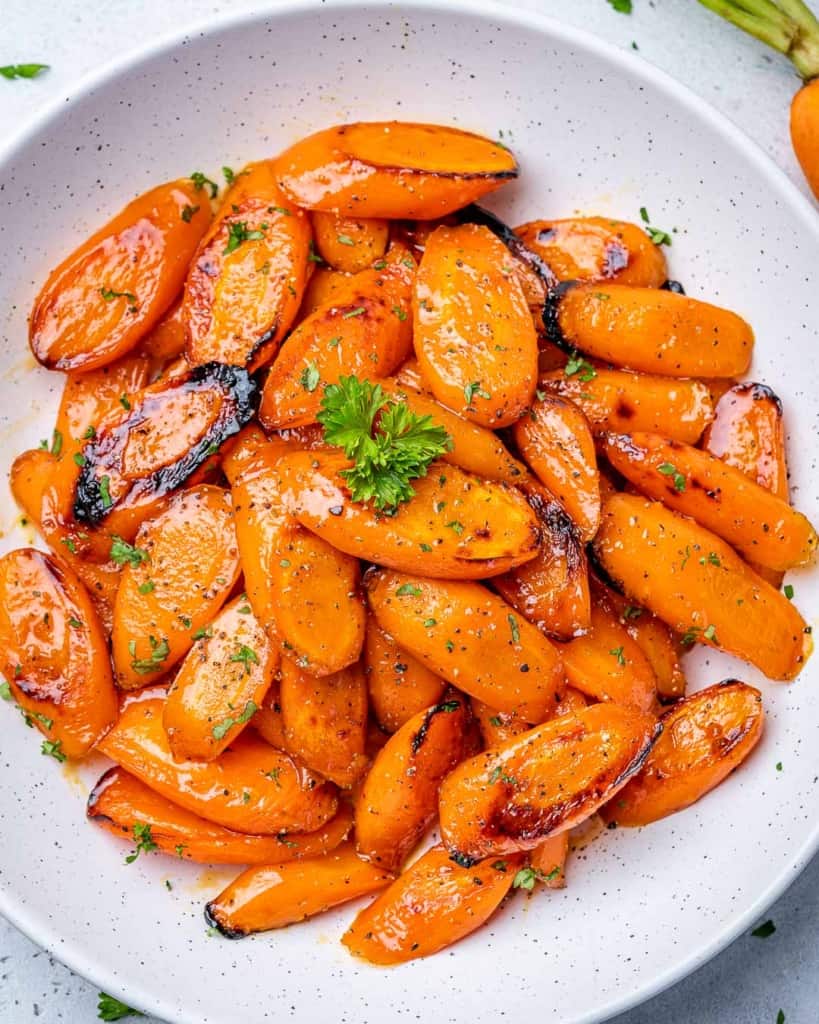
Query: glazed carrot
(263, 898)
(619, 400)
(542, 782)
(650, 330)
(804, 121)
(470, 637)
(393, 169)
(473, 333)
(364, 329)
(325, 720)
(552, 590)
(431, 905)
(399, 798)
(548, 861)
(408, 375)
(455, 525)
(166, 342)
(596, 249)
(399, 685)
(696, 584)
(756, 522)
(119, 802)
(98, 303)
(497, 726)
(179, 574)
(349, 244)
(268, 719)
(608, 665)
(556, 441)
(54, 654)
(323, 285)
(220, 685)
(705, 737)
(248, 276)
(250, 788)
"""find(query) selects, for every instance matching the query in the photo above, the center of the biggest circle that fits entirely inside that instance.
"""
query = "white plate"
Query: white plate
(597, 131)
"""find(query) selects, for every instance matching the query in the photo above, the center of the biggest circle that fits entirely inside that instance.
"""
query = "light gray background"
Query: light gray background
(752, 980)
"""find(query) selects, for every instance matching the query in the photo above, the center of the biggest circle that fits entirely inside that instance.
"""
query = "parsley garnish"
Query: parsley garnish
(200, 181)
(105, 491)
(5, 691)
(238, 233)
(122, 552)
(229, 174)
(526, 877)
(475, 389)
(621, 6)
(632, 612)
(274, 774)
(23, 70)
(310, 377)
(159, 652)
(203, 633)
(345, 240)
(353, 312)
(657, 236)
(146, 587)
(787, 590)
(496, 721)
(388, 443)
(188, 211)
(221, 730)
(515, 629)
(109, 295)
(56, 442)
(144, 842)
(580, 367)
(710, 633)
(456, 527)
(53, 748)
(408, 590)
(402, 316)
(764, 930)
(618, 654)
(246, 656)
(109, 1008)
(678, 479)
(79, 459)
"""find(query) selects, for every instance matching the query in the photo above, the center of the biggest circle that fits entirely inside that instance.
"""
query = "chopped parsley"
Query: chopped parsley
(618, 654)
(109, 1008)
(11, 71)
(345, 240)
(657, 236)
(677, 478)
(526, 877)
(310, 377)
(53, 748)
(787, 590)
(105, 492)
(764, 930)
(221, 730)
(188, 211)
(578, 366)
(515, 629)
(159, 653)
(200, 181)
(147, 587)
(246, 656)
(621, 6)
(408, 590)
(143, 842)
(475, 389)
(124, 553)
(238, 233)
(353, 312)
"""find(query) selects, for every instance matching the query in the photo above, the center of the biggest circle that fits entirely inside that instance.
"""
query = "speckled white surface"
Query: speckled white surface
(753, 979)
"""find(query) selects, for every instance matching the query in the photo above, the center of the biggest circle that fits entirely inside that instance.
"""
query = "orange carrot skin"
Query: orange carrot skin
(549, 861)
(399, 798)
(497, 726)
(268, 719)
(705, 738)
(398, 684)
(429, 907)
(104, 297)
(324, 283)
(804, 135)
(250, 788)
(166, 342)
(241, 299)
(761, 526)
(54, 652)
(392, 170)
(349, 244)
(263, 898)
(119, 801)
(651, 330)
(542, 782)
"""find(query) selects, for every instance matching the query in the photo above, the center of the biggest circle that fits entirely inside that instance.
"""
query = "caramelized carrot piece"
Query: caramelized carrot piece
(697, 584)
(552, 590)
(323, 286)
(98, 303)
(619, 400)
(248, 276)
(325, 720)
(556, 441)
(179, 575)
(803, 117)
(542, 782)
(166, 342)
(119, 802)
(399, 685)
(455, 525)
(268, 719)
(429, 907)
(393, 169)
(408, 375)
(705, 737)
(548, 861)
(54, 653)
(497, 726)
(399, 798)
(756, 522)
(364, 329)
(249, 788)
(650, 330)
(471, 638)
(473, 335)
(596, 249)
(221, 684)
(349, 244)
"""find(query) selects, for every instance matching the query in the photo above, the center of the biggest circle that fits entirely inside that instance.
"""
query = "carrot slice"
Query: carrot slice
(542, 782)
(697, 584)
(178, 576)
(705, 737)
(393, 169)
(497, 726)
(650, 330)
(399, 685)
(166, 342)
(268, 719)
(349, 244)
(119, 802)
(248, 276)
(55, 656)
(324, 283)
(250, 788)
(471, 638)
(105, 296)
(399, 798)
(756, 522)
(455, 525)
(473, 335)
(264, 898)
(548, 861)
(429, 907)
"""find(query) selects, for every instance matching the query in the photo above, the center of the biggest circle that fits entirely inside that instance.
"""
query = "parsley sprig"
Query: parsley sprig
(109, 1008)
(388, 444)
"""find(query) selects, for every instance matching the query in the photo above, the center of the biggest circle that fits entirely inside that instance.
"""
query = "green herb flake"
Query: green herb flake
(160, 650)
(237, 233)
(710, 633)
(677, 478)
(56, 442)
(105, 491)
(470, 390)
(764, 930)
(79, 459)
(621, 6)
(779, 766)
(632, 612)
(345, 240)
(187, 212)
(109, 1008)
(358, 311)
(74, 623)
(618, 654)
(456, 527)
(5, 691)
(200, 181)
(787, 590)
(203, 633)
(124, 553)
(12, 71)
(310, 377)
(430, 623)
(143, 840)
(53, 748)
(577, 366)
(408, 590)
(147, 587)
(402, 316)
(246, 656)
(514, 628)
(69, 543)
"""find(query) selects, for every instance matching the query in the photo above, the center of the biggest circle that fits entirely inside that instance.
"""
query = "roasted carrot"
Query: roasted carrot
(323, 285)
(166, 342)
(349, 244)
(121, 804)
(548, 861)
(497, 726)
(398, 684)
(268, 719)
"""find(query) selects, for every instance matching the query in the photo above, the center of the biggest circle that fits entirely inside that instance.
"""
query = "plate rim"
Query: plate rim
(44, 933)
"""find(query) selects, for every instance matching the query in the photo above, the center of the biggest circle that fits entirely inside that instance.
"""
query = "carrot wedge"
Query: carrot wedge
(263, 898)
(429, 907)
(398, 684)
(393, 169)
(119, 802)
(699, 586)
(705, 737)
(349, 244)
(761, 526)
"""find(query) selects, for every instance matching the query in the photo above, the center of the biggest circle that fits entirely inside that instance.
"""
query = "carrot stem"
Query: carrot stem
(788, 26)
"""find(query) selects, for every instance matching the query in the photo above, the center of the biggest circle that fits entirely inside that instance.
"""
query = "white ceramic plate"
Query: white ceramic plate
(597, 131)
